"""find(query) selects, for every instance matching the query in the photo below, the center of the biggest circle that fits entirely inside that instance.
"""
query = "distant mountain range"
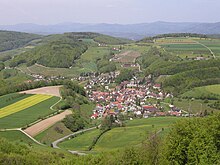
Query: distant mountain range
(131, 31)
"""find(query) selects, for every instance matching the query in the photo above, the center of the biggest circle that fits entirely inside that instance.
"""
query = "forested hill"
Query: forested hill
(62, 50)
(56, 53)
(100, 38)
(12, 40)
(150, 39)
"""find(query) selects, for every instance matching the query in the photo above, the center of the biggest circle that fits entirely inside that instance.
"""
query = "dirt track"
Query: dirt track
(51, 90)
(43, 125)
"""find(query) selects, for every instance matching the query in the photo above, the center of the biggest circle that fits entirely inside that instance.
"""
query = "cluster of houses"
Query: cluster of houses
(38, 77)
(130, 97)
(101, 80)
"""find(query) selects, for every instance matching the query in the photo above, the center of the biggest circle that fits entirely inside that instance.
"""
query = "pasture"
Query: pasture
(15, 136)
(46, 71)
(205, 92)
(141, 48)
(80, 142)
(95, 52)
(193, 106)
(135, 132)
(29, 112)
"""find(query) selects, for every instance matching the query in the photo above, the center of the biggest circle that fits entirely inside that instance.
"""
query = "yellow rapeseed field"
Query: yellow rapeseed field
(23, 104)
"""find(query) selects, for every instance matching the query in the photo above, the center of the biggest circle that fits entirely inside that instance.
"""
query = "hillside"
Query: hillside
(12, 40)
(62, 51)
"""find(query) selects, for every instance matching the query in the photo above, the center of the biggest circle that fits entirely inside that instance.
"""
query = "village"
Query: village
(133, 98)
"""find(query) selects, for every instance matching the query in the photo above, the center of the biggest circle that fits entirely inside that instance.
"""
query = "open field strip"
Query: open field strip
(44, 124)
(50, 90)
(30, 115)
(12, 98)
(23, 104)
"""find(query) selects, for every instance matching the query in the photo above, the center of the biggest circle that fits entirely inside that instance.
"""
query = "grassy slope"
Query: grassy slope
(213, 89)
(29, 115)
(50, 135)
(204, 91)
(133, 134)
(95, 52)
(11, 98)
(81, 142)
(16, 136)
(195, 106)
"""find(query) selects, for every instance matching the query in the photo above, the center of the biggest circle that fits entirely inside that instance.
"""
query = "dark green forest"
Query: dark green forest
(182, 75)
(12, 40)
(61, 53)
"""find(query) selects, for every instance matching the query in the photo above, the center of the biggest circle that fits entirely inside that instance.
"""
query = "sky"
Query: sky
(108, 11)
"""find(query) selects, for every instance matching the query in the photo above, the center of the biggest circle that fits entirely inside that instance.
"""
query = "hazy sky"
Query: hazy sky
(108, 11)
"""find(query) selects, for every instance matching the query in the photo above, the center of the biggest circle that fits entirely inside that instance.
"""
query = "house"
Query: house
(157, 86)
(94, 116)
(149, 108)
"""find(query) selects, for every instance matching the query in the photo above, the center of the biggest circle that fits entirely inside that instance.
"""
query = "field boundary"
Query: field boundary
(212, 53)
(46, 123)
(19, 129)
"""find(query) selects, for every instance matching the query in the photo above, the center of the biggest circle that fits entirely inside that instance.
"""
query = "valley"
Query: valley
(109, 96)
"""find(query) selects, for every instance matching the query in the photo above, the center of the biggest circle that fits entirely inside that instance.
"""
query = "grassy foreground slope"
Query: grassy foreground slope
(189, 141)
(15, 136)
(80, 142)
(133, 134)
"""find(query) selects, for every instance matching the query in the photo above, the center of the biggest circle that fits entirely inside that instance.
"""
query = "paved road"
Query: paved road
(54, 144)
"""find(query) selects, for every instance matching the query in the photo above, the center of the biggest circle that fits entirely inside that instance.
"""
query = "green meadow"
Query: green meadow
(206, 92)
(15, 136)
(133, 134)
